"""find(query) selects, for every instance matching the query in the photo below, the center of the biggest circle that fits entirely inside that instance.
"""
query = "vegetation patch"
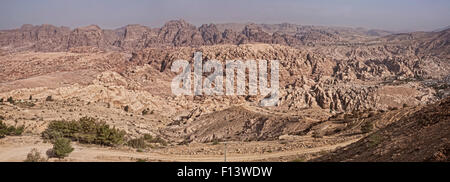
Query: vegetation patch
(61, 148)
(300, 159)
(85, 130)
(138, 143)
(374, 140)
(35, 156)
(6, 130)
(145, 141)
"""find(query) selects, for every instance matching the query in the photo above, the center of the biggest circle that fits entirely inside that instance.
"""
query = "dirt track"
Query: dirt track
(18, 151)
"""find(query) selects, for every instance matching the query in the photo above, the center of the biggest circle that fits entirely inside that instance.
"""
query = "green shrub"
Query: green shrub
(61, 148)
(35, 156)
(85, 130)
(10, 130)
(141, 143)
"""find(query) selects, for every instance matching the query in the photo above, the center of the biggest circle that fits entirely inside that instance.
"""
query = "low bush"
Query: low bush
(142, 142)
(35, 156)
(138, 143)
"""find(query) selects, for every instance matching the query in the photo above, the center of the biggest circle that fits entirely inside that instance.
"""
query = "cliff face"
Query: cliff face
(39, 38)
(419, 136)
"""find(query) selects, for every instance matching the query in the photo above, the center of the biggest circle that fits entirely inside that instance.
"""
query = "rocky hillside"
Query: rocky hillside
(420, 136)
(309, 79)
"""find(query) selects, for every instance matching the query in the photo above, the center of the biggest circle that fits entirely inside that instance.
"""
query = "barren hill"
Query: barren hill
(420, 136)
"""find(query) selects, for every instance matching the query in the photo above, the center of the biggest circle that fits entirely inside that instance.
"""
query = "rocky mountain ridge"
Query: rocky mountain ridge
(50, 38)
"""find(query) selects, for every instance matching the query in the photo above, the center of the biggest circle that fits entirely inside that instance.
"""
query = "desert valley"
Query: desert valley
(346, 94)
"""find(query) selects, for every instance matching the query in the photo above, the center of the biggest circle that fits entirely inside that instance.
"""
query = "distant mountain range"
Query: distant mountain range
(179, 33)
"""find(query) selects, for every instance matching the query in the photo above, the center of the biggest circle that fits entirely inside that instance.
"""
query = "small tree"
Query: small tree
(61, 148)
(126, 108)
(30, 98)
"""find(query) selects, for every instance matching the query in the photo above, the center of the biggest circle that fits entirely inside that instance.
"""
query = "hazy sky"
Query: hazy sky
(398, 15)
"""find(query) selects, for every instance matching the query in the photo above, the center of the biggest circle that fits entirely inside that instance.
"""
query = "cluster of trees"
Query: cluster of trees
(85, 130)
(61, 148)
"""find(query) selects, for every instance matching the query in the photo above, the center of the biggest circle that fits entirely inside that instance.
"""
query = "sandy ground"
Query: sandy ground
(15, 149)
